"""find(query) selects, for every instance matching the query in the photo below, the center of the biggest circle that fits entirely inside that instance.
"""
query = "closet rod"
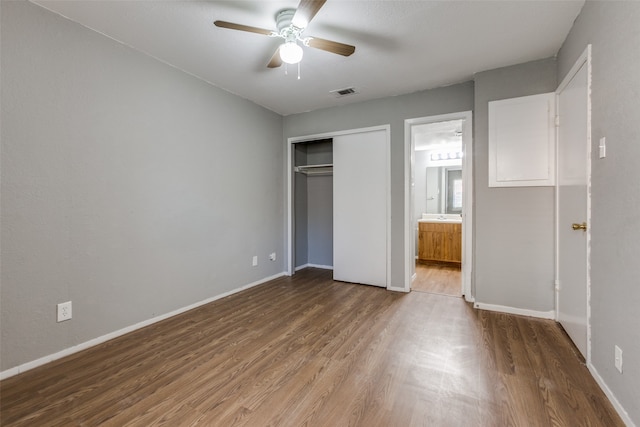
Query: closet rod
(324, 169)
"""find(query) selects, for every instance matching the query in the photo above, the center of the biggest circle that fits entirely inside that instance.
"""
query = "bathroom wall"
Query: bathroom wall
(420, 190)
(433, 190)
(420, 183)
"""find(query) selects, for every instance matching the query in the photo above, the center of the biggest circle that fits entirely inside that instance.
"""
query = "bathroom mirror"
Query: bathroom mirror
(443, 190)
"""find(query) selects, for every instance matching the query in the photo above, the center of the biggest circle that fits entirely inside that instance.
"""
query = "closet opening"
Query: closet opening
(313, 204)
(339, 210)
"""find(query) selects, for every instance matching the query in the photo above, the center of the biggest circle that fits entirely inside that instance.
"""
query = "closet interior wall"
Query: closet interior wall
(313, 204)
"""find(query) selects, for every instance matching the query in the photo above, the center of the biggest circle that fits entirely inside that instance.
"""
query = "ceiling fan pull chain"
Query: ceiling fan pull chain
(286, 69)
(298, 71)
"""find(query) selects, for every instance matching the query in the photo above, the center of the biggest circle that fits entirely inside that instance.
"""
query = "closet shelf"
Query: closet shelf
(325, 169)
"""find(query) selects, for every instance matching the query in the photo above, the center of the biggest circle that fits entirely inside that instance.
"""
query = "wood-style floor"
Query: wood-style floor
(310, 351)
(438, 279)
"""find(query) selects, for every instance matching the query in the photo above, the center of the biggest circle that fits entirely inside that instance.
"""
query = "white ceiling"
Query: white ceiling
(440, 135)
(401, 46)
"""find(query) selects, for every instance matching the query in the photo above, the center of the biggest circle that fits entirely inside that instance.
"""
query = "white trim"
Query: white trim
(397, 289)
(467, 220)
(290, 189)
(388, 172)
(99, 340)
(584, 59)
(588, 53)
(612, 398)
(514, 310)
(409, 240)
(467, 226)
(324, 267)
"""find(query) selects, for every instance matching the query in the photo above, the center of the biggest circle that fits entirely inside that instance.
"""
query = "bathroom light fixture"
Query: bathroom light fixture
(290, 52)
(446, 156)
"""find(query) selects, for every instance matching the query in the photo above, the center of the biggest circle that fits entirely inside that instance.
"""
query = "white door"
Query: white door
(360, 208)
(573, 172)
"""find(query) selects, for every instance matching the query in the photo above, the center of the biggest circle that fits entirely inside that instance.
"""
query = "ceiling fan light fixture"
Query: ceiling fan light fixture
(290, 52)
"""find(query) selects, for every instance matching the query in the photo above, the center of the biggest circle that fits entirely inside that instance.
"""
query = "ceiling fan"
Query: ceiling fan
(291, 23)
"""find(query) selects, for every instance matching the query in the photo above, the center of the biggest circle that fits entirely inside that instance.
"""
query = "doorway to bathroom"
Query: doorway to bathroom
(439, 211)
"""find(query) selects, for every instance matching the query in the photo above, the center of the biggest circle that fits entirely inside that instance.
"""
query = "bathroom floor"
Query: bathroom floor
(438, 279)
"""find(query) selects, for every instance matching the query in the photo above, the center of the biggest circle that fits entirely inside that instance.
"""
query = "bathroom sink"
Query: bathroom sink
(448, 218)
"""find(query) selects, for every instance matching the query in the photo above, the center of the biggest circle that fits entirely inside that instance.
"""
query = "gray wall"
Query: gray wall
(613, 29)
(320, 205)
(128, 187)
(133, 189)
(391, 111)
(320, 220)
(300, 200)
(514, 240)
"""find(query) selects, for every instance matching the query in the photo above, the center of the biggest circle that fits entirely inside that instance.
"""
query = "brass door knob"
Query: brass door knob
(577, 226)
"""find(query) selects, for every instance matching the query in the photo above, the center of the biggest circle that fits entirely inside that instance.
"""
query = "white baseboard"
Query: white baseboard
(513, 310)
(612, 398)
(324, 267)
(99, 340)
(397, 289)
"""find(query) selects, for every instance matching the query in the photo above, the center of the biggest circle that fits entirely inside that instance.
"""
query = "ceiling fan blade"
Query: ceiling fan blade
(305, 12)
(275, 61)
(232, 26)
(331, 46)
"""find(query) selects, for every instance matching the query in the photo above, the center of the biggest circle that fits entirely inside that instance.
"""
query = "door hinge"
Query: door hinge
(557, 121)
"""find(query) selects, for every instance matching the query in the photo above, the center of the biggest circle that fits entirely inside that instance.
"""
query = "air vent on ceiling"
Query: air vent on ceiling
(339, 93)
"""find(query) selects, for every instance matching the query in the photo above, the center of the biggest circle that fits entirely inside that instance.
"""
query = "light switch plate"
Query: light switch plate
(603, 147)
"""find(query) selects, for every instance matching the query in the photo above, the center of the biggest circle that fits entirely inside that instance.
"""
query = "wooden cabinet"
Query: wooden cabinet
(440, 242)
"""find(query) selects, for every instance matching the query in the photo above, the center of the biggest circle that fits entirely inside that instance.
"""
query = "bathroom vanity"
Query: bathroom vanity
(440, 239)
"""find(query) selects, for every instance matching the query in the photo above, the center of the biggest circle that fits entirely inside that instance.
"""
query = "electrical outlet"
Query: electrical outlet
(255, 260)
(64, 311)
(272, 256)
(618, 358)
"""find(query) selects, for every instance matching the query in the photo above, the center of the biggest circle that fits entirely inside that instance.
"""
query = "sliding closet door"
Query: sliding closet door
(360, 207)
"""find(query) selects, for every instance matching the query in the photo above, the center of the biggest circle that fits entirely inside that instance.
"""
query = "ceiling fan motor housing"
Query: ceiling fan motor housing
(286, 30)
(283, 19)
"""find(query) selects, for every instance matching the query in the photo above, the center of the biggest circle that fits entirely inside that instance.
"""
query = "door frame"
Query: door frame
(290, 190)
(467, 182)
(583, 60)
